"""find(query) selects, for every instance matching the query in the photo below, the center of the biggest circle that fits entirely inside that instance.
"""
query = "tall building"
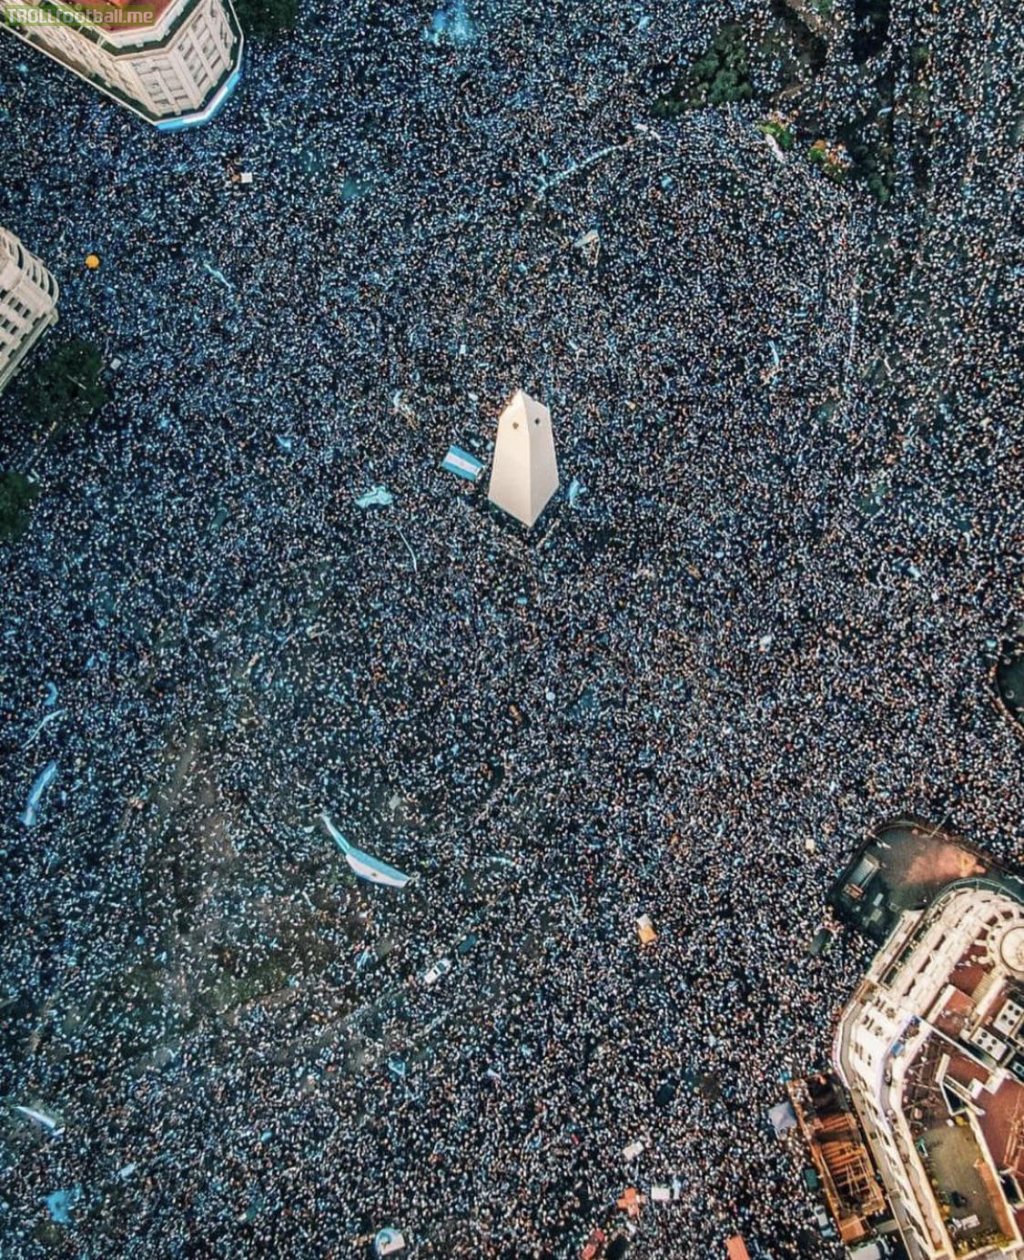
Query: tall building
(28, 303)
(931, 1049)
(524, 474)
(171, 62)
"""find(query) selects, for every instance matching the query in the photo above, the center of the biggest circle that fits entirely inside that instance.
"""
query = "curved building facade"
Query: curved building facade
(931, 1050)
(171, 62)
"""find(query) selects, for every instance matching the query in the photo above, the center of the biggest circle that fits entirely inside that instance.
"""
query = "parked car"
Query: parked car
(823, 1222)
(437, 971)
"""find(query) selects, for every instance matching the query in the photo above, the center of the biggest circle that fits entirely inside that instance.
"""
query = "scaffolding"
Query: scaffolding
(833, 1137)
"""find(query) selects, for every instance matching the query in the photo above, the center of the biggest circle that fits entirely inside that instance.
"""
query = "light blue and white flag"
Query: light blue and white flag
(364, 864)
(388, 1242)
(43, 781)
(377, 496)
(462, 464)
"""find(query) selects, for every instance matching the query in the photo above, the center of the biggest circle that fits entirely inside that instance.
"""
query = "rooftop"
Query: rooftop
(934, 1048)
(122, 15)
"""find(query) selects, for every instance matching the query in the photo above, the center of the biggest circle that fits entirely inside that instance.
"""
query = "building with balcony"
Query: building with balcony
(28, 303)
(931, 1050)
(171, 62)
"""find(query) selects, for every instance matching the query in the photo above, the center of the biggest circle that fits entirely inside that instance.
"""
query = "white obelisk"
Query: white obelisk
(524, 474)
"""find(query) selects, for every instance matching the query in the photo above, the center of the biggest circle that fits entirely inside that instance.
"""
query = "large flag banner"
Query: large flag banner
(364, 864)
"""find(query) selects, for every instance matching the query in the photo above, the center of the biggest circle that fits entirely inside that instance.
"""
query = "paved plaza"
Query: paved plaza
(761, 622)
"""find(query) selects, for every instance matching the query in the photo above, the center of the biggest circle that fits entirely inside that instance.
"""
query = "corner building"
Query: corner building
(171, 62)
(28, 303)
(931, 1049)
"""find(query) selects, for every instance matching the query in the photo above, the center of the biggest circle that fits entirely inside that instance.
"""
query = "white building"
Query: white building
(524, 474)
(931, 1049)
(28, 303)
(171, 62)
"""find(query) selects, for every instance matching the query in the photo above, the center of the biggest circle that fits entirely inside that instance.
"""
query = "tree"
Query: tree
(724, 88)
(64, 388)
(17, 494)
(779, 129)
(262, 18)
(879, 189)
(720, 75)
(920, 56)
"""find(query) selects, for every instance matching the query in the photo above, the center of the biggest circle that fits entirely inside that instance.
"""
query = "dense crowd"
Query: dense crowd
(757, 632)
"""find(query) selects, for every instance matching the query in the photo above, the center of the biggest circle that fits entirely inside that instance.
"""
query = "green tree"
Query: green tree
(878, 188)
(782, 134)
(920, 55)
(263, 18)
(718, 76)
(17, 494)
(729, 40)
(724, 88)
(64, 388)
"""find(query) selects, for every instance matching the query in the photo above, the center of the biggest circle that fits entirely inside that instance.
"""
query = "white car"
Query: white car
(824, 1222)
(439, 969)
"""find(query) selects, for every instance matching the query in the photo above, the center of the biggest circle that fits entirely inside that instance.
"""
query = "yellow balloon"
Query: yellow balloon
(92, 261)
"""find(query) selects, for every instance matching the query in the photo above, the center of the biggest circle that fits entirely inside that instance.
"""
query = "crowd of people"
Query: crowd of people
(758, 630)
